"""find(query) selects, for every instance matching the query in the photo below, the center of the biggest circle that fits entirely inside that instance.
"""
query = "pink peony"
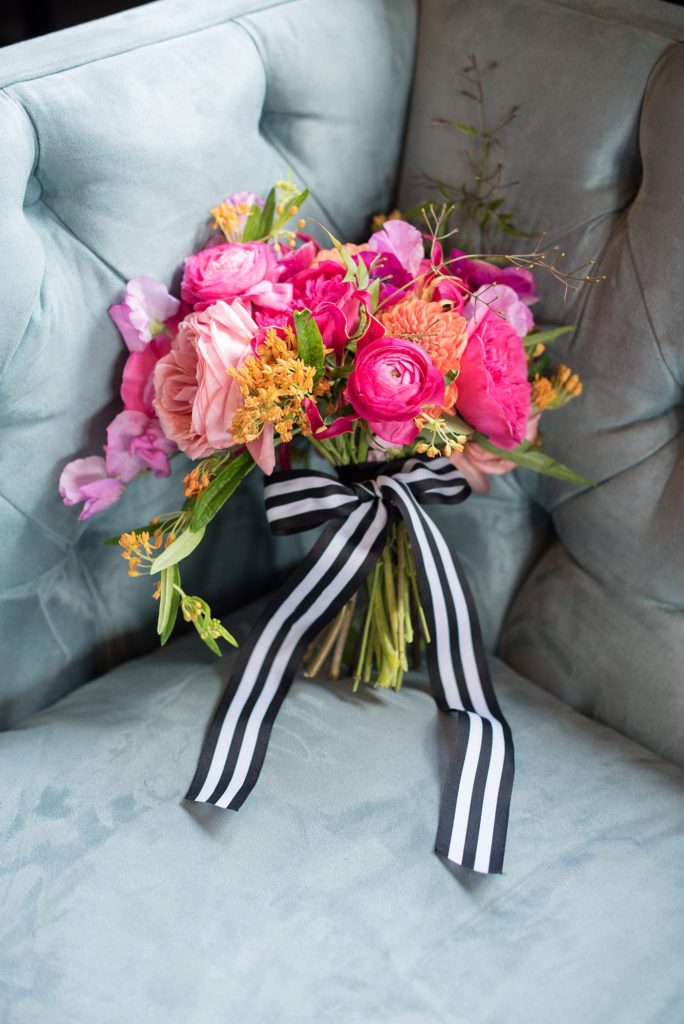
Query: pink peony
(144, 313)
(499, 298)
(196, 397)
(493, 390)
(401, 240)
(135, 443)
(87, 480)
(246, 270)
(391, 382)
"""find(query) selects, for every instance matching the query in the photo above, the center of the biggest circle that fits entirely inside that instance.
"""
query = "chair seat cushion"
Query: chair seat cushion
(322, 900)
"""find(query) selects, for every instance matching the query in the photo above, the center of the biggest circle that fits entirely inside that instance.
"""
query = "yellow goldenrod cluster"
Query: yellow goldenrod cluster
(443, 439)
(378, 219)
(556, 391)
(274, 385)
(196, 481)
(140, 548)
(230, 218)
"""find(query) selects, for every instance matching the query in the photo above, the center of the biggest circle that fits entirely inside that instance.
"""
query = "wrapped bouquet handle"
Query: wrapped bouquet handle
(358, 512)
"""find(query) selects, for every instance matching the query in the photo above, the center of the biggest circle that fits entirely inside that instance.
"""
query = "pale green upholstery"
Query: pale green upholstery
(321, 901)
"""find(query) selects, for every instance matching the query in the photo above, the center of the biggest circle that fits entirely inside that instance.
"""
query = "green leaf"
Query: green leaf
(496, 203)
(224, 484)
(299, 200)
(310, 347)
(545, 337)
(250, 232)
(467, 129)
(267, 215)
(181, 547)
(528, 456)
(374, 292)
(352, 269)
(169, 599)
(450, 376)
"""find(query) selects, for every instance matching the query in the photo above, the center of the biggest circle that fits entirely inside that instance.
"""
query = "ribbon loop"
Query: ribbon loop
(474, 812)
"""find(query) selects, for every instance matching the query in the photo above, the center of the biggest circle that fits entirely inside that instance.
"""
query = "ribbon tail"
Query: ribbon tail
(237, 739)
(475, 805)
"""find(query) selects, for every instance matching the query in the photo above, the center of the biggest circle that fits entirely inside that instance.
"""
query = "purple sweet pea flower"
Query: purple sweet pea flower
(87, 480)
(395, 278)
(136, 442)
(142, 315)
(500, 299)
(476, 273)
(401, 240)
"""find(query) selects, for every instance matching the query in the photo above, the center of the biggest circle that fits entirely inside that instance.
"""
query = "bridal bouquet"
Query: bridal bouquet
(414, 371)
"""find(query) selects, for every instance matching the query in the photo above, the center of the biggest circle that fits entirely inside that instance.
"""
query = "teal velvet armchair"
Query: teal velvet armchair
(322, 900)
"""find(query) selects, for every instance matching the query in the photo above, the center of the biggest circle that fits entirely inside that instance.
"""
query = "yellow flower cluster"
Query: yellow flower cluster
(274, 385)
(139, 549)
(229, 217)
(196, 481)
(554, 392)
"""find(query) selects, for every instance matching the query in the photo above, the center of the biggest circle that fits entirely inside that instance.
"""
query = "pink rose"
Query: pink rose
(493, 389)
(196, 398)
(499, 298)
(333, 303)
(241, 270)
(391, 382)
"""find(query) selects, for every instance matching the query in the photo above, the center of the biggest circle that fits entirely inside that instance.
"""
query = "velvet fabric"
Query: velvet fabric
(321, 900)
(595, 154)
(119, 137)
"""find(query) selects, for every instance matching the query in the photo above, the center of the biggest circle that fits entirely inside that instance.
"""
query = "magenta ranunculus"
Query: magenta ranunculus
(493, 389)
(144, 313)
(476, 273)
(499, 298)
(87, 480)
(392, 381)
(401, 240)
(248, 271)
(136, 443)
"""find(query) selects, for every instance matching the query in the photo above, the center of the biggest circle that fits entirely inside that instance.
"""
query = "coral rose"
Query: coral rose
(440, 331)
(392, 381)
(493, 389)
(196, 398)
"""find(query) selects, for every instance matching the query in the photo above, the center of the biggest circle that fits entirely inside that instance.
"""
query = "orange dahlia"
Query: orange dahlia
(439, 330)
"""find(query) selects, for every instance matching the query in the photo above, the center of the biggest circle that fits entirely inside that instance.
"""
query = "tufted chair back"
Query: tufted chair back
(584, 588)
(117, 139)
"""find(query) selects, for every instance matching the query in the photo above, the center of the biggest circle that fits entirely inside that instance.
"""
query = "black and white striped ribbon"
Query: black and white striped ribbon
(474, 812)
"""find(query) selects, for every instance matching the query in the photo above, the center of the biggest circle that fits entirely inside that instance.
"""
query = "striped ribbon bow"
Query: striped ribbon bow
(474, 812)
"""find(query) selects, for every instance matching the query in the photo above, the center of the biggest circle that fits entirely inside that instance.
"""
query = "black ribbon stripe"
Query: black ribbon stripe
(358, 509)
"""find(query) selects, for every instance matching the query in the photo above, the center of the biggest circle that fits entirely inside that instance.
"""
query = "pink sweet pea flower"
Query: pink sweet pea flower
(477, 465)
(245, 270)
(87, 480)
(143, 314)
(499, 298)
(390, 384)
(135, 443)
(137, 382)
(493, 389)
(401, 240)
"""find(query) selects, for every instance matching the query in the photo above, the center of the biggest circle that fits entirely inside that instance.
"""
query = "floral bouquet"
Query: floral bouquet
(414, 374)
